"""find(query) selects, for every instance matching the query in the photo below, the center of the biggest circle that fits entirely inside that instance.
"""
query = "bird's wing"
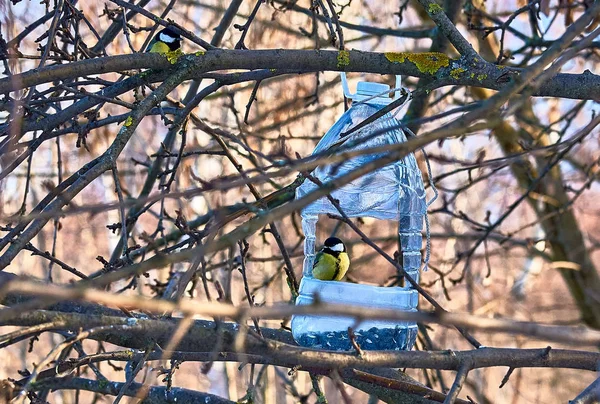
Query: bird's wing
(325, 267)
(150, 45)
(318, 258)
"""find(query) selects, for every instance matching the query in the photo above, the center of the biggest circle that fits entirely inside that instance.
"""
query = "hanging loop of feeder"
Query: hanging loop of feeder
(369, 91)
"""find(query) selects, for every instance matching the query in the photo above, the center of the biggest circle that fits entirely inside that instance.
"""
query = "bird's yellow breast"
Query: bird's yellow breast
(160, 47)
(344, 264)
(327, 267)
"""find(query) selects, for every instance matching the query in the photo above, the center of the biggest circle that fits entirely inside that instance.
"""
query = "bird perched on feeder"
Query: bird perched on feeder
(165, 42)
(332, 262)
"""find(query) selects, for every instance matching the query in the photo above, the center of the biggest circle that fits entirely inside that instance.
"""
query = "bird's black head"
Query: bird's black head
(334, 244)
(170, 37)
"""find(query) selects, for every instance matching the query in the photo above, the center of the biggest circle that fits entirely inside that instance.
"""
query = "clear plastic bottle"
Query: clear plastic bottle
(394, 192)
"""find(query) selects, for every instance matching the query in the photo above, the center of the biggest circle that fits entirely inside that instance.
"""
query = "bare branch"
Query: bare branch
(577, 86)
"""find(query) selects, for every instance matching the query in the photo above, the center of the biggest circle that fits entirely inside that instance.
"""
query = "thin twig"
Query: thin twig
(244, 28)
(244, 246)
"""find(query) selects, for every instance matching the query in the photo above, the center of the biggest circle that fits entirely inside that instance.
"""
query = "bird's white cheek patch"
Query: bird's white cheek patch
(167, 38)
(337, 248)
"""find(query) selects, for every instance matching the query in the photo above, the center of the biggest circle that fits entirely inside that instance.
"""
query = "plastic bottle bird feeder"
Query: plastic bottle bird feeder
(394, 192)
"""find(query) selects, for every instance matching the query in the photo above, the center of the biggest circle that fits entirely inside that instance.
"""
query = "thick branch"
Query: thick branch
(438, 66)
(51, 293)
(198, 343)
(156, 394)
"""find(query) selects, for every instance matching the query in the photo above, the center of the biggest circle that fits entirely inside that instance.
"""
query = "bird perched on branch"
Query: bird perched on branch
(165, 42)
(332, 262)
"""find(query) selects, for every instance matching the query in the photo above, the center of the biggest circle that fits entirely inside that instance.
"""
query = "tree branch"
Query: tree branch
(461, 376)
(445, 24)
(578, 86)
(156, 394)
(590, 395)
(197, 345)
(51, 293)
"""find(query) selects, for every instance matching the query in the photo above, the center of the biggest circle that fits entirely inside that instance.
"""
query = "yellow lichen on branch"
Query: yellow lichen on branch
(426, 62)
(435, 8)
(173, 56)
(455, 73)
(343, 58)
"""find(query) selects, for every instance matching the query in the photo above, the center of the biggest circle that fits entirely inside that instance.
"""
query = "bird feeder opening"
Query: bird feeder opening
(368, 266)
(387, 192)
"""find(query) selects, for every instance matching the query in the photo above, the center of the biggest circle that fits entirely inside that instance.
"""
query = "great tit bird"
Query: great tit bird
(332, 262)
(164, 42)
